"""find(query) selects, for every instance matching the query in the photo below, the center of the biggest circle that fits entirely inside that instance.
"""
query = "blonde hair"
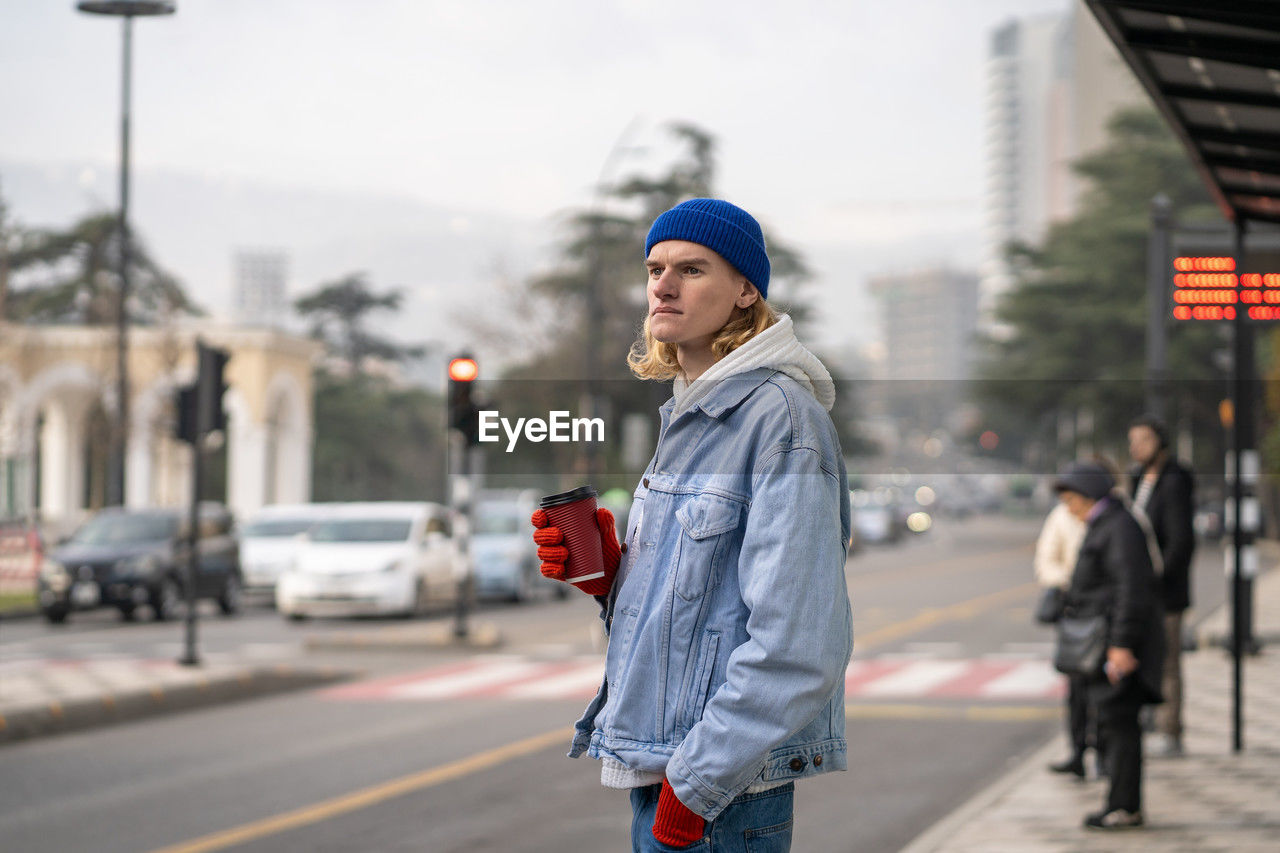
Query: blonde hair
(650, 358)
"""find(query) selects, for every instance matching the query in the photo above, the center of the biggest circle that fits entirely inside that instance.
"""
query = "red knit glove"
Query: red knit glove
(674, 824)
(553, 553)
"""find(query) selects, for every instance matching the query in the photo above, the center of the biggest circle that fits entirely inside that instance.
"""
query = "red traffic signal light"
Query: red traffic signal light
(464, 413)
(463, 369)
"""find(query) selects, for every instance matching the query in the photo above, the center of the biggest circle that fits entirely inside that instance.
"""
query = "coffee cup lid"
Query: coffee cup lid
(580, 493)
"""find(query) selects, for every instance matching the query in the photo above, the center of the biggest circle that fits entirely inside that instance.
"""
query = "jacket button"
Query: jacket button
(797, 764)
(817, 761)
(646, 482)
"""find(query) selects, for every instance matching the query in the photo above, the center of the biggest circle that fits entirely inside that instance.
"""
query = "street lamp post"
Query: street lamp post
(127, 10)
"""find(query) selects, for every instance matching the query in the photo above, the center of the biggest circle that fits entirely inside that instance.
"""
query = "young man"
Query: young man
(728, 616)
(1113, 576)
(1164, 491)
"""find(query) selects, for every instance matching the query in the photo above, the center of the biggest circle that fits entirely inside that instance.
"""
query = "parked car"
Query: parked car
(369, 559)
(1208, 521)
(126, 558)
(269, 543)
(877, 518)
(505, 558)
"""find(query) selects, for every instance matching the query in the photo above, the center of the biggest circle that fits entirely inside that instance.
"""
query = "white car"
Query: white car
(370, 559)
(269, 542)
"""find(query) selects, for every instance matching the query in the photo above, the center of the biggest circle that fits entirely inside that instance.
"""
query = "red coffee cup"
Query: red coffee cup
(574, 512)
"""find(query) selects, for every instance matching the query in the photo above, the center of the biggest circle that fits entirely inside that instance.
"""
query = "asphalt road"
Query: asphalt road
(453, 751)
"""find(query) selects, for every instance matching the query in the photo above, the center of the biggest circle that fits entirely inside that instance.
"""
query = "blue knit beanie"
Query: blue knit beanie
(725, 228)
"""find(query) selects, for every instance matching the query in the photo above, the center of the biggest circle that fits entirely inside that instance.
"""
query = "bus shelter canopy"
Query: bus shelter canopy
(1213, 71)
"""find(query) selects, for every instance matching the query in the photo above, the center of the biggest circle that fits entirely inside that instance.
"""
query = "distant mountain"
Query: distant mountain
(444, 259)
(447, 260)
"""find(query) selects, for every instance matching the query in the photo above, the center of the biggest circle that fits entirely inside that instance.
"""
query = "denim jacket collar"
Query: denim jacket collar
(727, 394)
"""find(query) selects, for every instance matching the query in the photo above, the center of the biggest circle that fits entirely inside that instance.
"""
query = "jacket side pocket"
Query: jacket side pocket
(700, 686)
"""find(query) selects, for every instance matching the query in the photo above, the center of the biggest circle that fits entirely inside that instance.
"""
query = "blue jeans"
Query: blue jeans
(752, 823)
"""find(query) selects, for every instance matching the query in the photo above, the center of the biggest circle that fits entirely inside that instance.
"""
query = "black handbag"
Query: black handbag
(1082, 645)
(1049, 608)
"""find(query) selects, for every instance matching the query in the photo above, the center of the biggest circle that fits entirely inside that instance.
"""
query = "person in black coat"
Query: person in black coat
(1164, 491)
(1114, 576)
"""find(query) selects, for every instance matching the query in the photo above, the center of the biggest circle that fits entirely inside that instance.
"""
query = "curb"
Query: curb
(227, 686)
(1219, 640)
(936, 836)
(483, 636)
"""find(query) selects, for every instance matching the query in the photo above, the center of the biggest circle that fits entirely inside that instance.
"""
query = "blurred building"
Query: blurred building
(928, 320)
(1053, 82)
(260, 287)
(58, 396)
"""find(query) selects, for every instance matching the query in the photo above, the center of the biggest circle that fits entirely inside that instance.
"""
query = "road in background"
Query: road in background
(448, 751)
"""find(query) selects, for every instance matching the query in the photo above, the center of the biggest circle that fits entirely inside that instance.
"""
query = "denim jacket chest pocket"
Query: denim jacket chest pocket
(707, 522)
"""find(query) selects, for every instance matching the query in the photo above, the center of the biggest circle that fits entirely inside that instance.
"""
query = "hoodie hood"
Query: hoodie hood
(777, 348)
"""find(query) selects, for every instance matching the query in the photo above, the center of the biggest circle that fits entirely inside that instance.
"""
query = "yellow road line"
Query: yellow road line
(977, 713)
(369, 796)
(936, 616)
(956, 565)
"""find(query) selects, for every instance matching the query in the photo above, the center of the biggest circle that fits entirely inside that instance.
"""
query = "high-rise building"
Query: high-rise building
(1053, 83)
(929, 318)
(260, 287)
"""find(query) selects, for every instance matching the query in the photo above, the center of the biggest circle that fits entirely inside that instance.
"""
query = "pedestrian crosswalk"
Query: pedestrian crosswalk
(891, 678)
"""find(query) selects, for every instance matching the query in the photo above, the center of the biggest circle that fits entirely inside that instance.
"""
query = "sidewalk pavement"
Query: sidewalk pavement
(42, 697)
(1209, 800)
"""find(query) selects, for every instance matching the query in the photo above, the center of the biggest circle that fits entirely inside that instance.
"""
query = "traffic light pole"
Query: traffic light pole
(462, 498)
(1244, 515)
(199, 413)
(190, 654)
(1158, 259)
(463, 467)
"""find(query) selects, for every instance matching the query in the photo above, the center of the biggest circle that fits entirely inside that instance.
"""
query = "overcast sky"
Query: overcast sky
(846, 126)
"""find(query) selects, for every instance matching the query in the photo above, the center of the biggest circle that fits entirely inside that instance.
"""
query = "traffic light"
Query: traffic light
(199, 405)
(212, 364)
(464, 414)
(186, 401)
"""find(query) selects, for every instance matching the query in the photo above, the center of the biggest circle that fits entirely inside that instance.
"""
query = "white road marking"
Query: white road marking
(578, 680)
(1033, 678)
(517, 678)
(916, 679)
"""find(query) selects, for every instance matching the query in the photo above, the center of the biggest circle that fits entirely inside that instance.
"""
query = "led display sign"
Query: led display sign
(1209, 288)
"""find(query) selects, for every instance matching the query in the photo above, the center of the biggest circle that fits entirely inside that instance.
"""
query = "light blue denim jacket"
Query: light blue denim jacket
(729, 620)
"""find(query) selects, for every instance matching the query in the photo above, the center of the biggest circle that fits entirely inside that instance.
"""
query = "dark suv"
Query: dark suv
(125, 558)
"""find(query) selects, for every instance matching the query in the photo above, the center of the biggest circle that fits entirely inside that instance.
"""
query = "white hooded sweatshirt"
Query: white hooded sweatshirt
(776, 347)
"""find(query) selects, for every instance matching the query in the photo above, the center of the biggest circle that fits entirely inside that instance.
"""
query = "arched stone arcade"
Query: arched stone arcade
(57, 405)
